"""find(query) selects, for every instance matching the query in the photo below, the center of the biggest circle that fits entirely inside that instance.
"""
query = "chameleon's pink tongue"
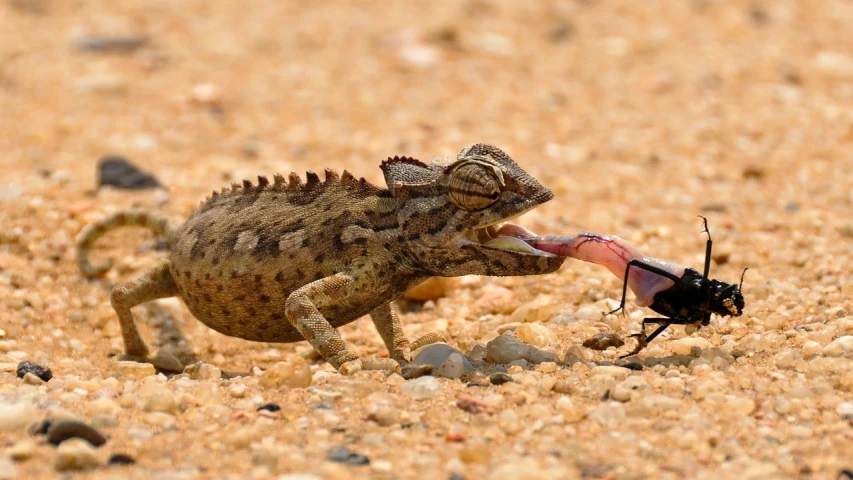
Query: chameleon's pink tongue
(613, 253)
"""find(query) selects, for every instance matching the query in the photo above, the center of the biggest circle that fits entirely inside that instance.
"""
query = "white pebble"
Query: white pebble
(422, 388)
(844, 409)
(76, 454)
(683, 346)
(536, 334)
(810, 348)
(452, 367)
(840, 347)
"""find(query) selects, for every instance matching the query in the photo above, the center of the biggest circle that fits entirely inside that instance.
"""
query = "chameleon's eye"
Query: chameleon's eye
(474, 186)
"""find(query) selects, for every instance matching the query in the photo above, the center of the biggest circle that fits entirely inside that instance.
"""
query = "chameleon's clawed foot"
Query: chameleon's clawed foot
(388, 365)
(163, 362)
(428, 339)
(385, 364)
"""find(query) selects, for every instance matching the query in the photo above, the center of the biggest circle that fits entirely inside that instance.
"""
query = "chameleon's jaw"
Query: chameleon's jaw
(505, 237)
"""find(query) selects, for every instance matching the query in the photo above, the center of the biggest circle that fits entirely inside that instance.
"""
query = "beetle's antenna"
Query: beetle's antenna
(740, 286)
(707, 250)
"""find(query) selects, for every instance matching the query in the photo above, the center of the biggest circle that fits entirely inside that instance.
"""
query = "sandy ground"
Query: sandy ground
(638, 115)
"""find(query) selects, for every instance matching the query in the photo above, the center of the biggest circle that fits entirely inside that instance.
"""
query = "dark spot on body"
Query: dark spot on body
(215, 261)
(259, 278)
(264, 299)
(207, 297)
(306, 243)
(219, 287)
(279, 277)
(226, 312)
(360, 241)
(319, 258)
(240, 298)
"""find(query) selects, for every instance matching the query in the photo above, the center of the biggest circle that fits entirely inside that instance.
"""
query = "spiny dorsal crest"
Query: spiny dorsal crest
(294, 184)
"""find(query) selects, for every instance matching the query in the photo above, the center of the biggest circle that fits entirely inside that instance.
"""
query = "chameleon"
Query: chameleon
(287, 260)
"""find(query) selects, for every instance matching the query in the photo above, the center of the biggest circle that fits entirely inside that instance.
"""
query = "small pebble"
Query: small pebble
(437, 354)
(536, 334)
(840, 347)
(120, 173)
(76, 454)
(136, 369)
(66, 429)
(121, 459)
(505, 349)
(432, 289)
(342, 454)
(499, 378)
(474, 405)
(31, 379)
(293, 373)
(422, 388)
(685, 346)
(162, 401)
(203, 371)
(22, 450)
(43, 373)
(603, 341)
(453, 367)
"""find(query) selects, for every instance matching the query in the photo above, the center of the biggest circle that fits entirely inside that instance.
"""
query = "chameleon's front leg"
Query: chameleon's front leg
(302, 311)
(391, 330)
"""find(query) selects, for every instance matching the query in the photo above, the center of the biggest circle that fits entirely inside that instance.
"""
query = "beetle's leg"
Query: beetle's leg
(644, 266)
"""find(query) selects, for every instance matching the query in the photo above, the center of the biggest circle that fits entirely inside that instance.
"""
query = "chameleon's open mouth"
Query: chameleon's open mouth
(505, 236)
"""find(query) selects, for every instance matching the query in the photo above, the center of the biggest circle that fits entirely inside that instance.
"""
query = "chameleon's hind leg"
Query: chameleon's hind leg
(154, 283)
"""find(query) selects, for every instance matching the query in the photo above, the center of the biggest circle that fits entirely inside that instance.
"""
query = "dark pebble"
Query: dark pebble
(477, 384)
(411, 370)
(63, 430)
(342, 454)
(606, 395)
(43, 373)
(499, 378)
(110, 44)
(270, 407)
(120, 173)
(121, 459)
(632, 364)
(456, 476)
(322, 406)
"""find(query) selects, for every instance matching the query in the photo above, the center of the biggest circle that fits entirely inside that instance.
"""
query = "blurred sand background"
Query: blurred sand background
(638, 115)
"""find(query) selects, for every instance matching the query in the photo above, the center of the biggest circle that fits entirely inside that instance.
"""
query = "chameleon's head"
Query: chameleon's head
(453, 216)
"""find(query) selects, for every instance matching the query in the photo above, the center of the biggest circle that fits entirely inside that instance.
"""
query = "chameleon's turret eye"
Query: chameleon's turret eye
(474, 185)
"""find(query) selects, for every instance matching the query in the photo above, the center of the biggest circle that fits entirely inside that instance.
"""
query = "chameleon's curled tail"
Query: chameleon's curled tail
(161, 225)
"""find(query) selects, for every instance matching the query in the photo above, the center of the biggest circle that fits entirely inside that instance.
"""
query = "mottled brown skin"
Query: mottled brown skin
(289, 261)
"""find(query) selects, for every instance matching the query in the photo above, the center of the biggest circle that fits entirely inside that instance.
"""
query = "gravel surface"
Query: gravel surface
(638, 115)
